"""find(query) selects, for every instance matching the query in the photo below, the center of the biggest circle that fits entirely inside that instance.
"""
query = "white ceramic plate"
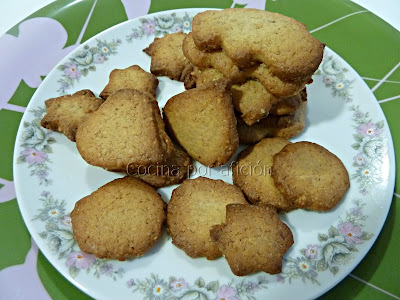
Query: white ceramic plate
(343, 116)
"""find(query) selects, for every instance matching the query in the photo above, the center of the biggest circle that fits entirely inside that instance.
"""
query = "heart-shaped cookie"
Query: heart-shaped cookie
(127, 130)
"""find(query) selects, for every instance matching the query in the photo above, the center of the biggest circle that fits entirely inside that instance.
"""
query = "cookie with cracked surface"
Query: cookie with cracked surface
(133, 77)
(310, 176)
(176, 169)
(251, 36)
(286, 126)
(195, 206)
(252, 239)
(203, 122)
(220, 61)
(288, 105)
(122, 219)
(127, 130)
(65, 114)
(250, 98)
(252, 173)
(167, 57)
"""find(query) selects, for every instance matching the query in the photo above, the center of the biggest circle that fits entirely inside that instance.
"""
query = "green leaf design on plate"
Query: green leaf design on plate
(21, 159)
(213, 286)
(333, 232)
(334, 270)
(321, 265)
(200, 282)
(51, 140)
(322, 237)
(366, 235)
(358, 137)
(47, 149)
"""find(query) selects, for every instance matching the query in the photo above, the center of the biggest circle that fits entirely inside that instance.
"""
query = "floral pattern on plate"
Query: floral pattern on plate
(37, 141)
(155, 288)
(334, 76)
(334, 248)
(371, 148)
(60, 241)
(370, 145)
(85, 61)
(159, 26)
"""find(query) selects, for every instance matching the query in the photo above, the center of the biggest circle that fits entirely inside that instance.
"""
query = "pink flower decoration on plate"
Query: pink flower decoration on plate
(178, 284)
(359, 159)
(177, 29)
(311, 251)
(66, 221)
(107, 269)
(34, 157)
(328, 80)
(149, 27)
(99, 59)
(227, 293)
(72, 71)
(369, 129)
(351, 232)
(81, 260)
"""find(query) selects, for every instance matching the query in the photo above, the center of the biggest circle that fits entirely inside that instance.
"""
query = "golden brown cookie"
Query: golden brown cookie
(201, 76)
(273, 126)
(250, 36)
(250, 98)
(133, 77)
(218, 60)
(195, 206)
(167, 58)
(127, 130)
(252, 173)
(176, 169)
(310, 176)
(65, 113)
(202, 121)
(253, 101)
(122, 219)
(252, 239)
(288, 105)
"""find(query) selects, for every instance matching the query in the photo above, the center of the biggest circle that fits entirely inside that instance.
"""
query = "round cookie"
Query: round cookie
(252, 173)
(253, 238)
(310, 176)
(195, 206)
(122, 219)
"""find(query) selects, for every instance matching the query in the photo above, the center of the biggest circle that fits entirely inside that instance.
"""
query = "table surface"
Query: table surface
(376, 277)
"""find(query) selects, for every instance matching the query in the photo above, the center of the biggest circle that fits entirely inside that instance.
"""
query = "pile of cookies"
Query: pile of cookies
(123, 131)
(245, 71)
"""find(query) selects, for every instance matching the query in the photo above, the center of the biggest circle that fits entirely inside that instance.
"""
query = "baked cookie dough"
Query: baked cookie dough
(252, 239)
(310, 176)
(195, 206)
(122, 219)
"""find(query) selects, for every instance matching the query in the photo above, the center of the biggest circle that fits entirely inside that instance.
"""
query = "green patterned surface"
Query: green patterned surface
(373, 52)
